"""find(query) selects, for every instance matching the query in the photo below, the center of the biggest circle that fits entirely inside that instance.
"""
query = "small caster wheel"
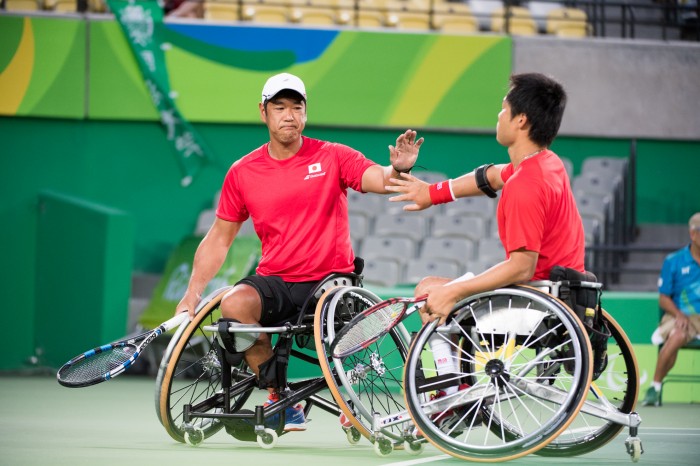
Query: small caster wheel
(353, 435)
(634, 448)
(268, 439)
(413, 448)
(194, 436)
(383, 447)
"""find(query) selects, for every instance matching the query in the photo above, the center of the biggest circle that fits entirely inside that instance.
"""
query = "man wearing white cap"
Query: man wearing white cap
(679, 297)
(295, 190)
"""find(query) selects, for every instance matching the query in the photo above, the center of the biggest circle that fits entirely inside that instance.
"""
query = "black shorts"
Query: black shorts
(280, 300)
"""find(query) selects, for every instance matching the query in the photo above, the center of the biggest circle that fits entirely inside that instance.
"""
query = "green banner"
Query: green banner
(142, 23)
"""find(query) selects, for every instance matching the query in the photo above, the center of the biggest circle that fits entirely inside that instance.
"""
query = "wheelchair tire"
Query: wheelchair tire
(369, 381)
(190, 371)
(525, 366)
(619, 384)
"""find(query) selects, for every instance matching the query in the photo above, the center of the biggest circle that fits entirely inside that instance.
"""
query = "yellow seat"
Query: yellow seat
(407, 14)
(454, 17)
(64, 6)
(227, 11)
(276, 12)
(520, 22)
(23, 5)
(567, 22)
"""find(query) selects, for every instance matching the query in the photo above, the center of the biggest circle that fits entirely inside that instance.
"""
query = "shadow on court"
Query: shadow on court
(42, 423)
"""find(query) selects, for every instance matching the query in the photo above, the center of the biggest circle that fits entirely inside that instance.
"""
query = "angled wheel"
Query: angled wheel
(367, 382)
(190, 372)
(617, 387)
(524, 369)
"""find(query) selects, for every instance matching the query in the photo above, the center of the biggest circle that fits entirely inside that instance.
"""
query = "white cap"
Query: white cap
(280, 82)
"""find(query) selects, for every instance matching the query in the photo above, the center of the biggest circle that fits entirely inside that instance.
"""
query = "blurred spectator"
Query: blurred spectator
(679, 297)
(184, 8)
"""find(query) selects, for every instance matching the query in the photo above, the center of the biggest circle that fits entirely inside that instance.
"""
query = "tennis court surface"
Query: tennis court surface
(42, 423)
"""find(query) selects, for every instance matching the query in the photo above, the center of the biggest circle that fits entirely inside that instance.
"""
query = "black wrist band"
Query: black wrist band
(482, 182)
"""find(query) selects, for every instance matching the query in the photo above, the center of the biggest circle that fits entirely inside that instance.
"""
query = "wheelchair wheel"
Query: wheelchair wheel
(190, 372)
(524, 371)
(618, 385)
(370, 381)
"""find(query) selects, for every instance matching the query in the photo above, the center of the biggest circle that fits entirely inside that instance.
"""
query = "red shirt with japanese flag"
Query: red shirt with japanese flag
(298, 206)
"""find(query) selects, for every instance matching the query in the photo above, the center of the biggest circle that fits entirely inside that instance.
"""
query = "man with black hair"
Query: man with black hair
(538, 221)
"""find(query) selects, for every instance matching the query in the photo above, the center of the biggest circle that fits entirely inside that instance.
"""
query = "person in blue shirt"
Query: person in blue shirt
(679, 298)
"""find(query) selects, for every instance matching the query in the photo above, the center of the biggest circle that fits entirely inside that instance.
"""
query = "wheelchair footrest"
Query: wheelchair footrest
(244, 429)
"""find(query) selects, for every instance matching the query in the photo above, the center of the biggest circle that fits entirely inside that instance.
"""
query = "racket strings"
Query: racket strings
(97, 366)
(370, 327)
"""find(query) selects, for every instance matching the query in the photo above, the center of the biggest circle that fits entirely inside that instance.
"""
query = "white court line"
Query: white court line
(420, 461)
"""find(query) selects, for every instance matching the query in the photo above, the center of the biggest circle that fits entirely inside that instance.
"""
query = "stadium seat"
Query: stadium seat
(480, 206)
(23, 5)
(359, 226)
(490, 250)
(264, 13)
(539, 11)
(228, 10)
(464, 226)
(568, 22)
(451, 17)
(482, 10)
(520, 23)
(417, 269)
(402, 225)
(400, 249)
(368, 205)
(569, 166)
(63, 6)
(458, 250)
(381, 272)
(407, 14)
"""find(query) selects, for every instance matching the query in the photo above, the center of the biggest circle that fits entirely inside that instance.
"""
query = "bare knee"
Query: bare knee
(243, 304)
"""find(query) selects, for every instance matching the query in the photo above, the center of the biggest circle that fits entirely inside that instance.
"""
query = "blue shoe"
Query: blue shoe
(294, 418)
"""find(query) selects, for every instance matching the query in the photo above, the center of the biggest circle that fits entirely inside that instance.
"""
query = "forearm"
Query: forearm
(668, 306)
(208, 260)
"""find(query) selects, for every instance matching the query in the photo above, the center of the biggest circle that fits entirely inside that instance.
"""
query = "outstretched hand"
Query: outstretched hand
(410, 189)
(403, 157)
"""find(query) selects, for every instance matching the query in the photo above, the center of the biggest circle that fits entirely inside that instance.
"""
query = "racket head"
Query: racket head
(370, 325)
(98, 365)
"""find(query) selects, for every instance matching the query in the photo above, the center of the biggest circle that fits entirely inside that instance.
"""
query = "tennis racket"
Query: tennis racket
(372, 324)
(108, 361)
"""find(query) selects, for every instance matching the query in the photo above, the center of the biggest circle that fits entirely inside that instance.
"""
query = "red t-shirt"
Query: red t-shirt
(537, 211)
(298, 206)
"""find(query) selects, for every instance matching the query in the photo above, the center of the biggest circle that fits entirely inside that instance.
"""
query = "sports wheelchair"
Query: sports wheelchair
(203, 387)
(536, 374)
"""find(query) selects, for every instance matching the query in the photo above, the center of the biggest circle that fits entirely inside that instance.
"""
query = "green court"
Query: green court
(115, 423)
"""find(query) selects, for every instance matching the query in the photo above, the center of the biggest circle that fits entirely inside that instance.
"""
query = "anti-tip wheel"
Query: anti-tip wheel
(194, 436)
(383, 447)
(413, 448)
(353, 435)
(268, 439)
